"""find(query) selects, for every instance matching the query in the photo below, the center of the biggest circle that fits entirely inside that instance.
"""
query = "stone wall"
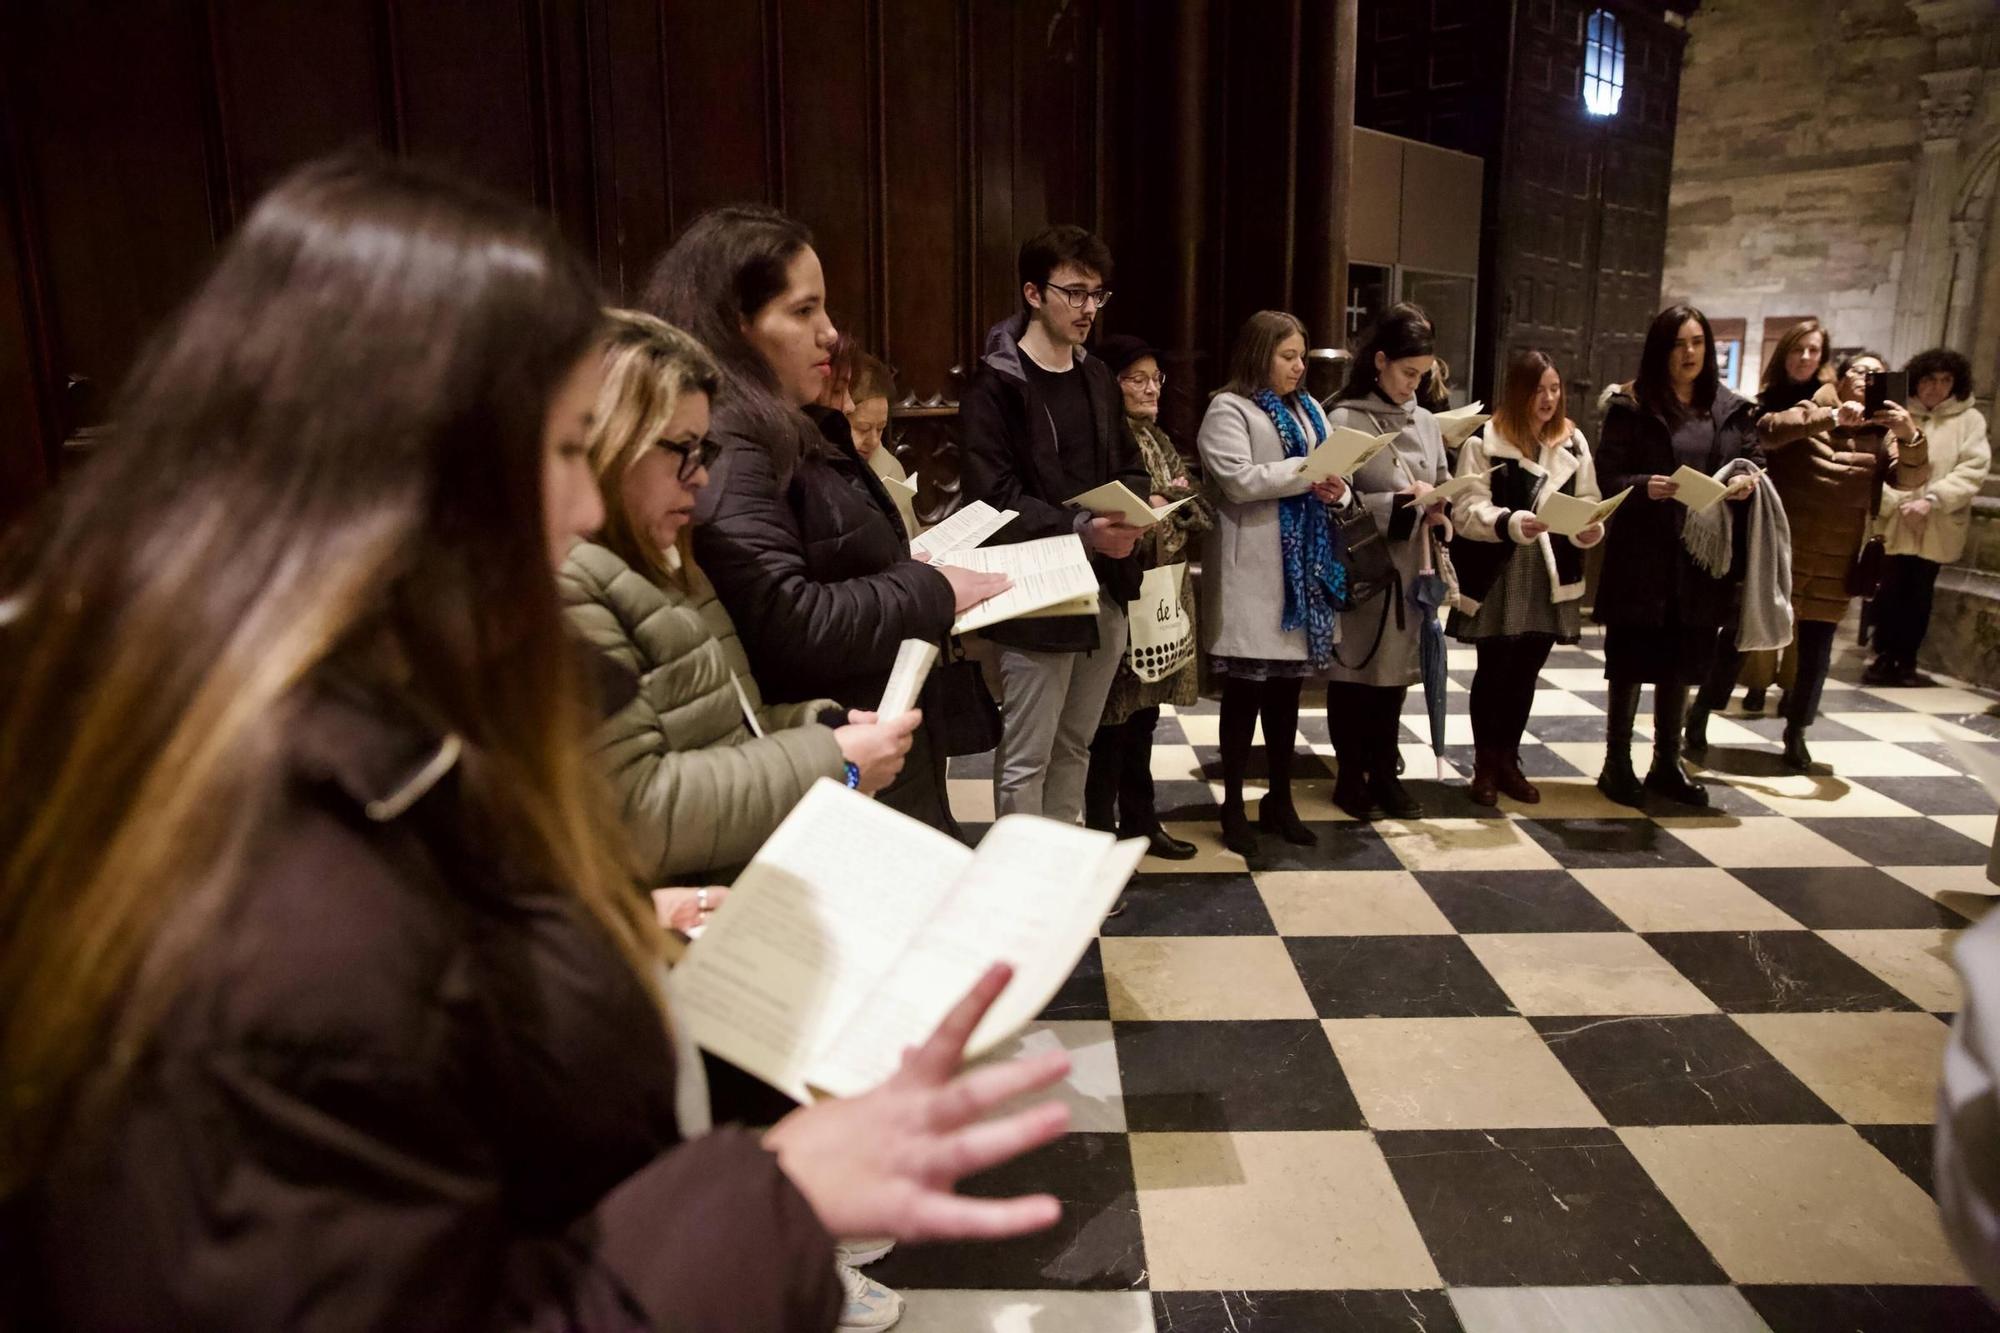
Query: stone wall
(1818, 165)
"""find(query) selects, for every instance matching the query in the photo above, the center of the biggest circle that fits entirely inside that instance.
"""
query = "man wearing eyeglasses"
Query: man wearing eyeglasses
(1043, 422)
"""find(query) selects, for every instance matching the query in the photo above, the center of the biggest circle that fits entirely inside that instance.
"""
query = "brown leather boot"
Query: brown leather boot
(1513, 783)
(1485, 778)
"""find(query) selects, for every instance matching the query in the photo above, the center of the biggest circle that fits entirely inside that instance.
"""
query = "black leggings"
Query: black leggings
(1243, 703)
(1365, 722)
(1903, 608)
(1815, 660)
(1118, 788)
(1503, 688)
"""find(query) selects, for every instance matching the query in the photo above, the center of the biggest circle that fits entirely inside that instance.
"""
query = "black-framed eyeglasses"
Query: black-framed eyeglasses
(693, 457)
(1076, 297)
(1140, 383)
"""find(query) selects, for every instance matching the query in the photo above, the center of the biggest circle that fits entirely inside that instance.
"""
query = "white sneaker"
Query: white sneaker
(869, 1303)
(862, 1252)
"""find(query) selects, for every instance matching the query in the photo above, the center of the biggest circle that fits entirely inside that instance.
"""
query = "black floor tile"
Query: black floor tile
(971, 766)
(1304, 1312)
(1190, 800)
(1170, 904)
(1848, 898)
(1575, 728)
(1776, 972)
(1082, 996)
(1167, 731)
(1273, 1074)
(1539, 761)
(1873, 1309)
(1341, 846)
(1934, 796)
(1395, 976)
(1770, 727)
(1909, 1147)
(1901, 842)
(1695, 1069)
(1541, 1207)
(1479, 902)
(1986, 723)
(1619, 844)
(1097, 1246)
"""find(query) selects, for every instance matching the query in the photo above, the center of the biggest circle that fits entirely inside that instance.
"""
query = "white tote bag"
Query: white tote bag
(1161, 641)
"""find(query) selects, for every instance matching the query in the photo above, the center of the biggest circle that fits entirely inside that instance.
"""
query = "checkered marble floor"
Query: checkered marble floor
(1570, 1067)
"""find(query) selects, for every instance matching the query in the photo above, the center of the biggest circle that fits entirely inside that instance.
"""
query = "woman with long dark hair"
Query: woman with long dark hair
(1378, 657)
(327, 999)
(797, 532)
(1520, 587)
(1661, 609)
(1269, 619)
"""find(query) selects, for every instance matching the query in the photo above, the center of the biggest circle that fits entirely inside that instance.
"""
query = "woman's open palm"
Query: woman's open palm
(885, 1163)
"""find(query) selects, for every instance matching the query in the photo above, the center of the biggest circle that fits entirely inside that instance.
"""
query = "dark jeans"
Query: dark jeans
(1503, 688)
(1118, 786)
(1903, 609)
(1815, 643)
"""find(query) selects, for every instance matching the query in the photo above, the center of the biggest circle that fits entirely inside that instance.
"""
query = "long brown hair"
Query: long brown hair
(329, 464)
(1790, 341)
(648, 365)
(1515, 416)
(1256, 344)
(729, 264)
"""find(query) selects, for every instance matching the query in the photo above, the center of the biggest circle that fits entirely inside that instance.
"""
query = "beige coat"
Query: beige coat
(1243, 569)
(1477, 517)
(698, 791)
(1960, 456)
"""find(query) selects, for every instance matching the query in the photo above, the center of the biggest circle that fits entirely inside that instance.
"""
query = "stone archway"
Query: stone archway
(1970, 215)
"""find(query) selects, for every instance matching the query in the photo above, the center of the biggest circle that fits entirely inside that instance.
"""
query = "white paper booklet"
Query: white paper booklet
(1343, 453)
(1461, 423)
(914, 660)
(967, 528)
(1446, 492)
(855, 929)
(1566, 515)
(900, 485)
(1698, 490)
(1046, 573)
(1115, 497)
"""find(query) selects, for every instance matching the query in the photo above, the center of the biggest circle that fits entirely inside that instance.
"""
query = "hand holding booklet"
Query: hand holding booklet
(1343, 453)
(1451, 490)
(855, 929)
(1566, 515)
(1697, 490)
(1051, 577)
(1115, 497)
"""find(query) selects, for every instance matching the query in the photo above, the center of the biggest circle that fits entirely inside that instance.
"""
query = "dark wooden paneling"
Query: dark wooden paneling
(718, 96)
(827, 113)
(468, 89)
(925, 203)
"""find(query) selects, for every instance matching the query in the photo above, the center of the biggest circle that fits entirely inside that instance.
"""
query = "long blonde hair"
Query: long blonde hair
(328, 466)
(648, 365)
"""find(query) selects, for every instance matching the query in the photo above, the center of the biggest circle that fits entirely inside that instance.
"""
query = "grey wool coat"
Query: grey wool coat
(1417, 455)
(697, 791)
(1243, 570)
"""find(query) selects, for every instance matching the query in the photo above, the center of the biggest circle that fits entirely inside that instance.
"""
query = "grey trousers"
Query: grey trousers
(1049, 710)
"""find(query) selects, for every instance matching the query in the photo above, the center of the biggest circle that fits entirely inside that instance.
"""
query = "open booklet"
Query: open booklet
(1051, 577)
(1446, 492)
(1460, 423)
(1115, 497)
(1697, 490)
(965, 529)
(1343, 453)
(1566, 515)
(855, 929)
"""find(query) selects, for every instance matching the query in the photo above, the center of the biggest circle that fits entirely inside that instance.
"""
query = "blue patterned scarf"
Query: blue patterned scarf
(1315, 582)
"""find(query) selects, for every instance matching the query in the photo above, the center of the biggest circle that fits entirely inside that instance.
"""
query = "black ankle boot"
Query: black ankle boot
(1351, 792)
(1618, 781)
(1697, 729)
(1238, 834)
(1667, 777)
(1276, 814)
(1797, 757)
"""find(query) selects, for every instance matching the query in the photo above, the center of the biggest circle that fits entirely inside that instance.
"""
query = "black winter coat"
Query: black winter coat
(1648, 578)
(1014, 461)
(815, 571)
(403, 1089)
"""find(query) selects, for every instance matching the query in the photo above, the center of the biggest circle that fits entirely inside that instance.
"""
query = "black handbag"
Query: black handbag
(958, 708)
(1364, 551)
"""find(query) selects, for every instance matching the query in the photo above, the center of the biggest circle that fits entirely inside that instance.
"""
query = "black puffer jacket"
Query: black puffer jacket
(815, 570)
(403, 1089)
(1014, 461)
(1649, 579)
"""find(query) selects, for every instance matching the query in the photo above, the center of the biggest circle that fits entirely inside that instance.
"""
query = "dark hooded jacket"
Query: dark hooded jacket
(1649, 579)
(1013, 460)
(401, 1088)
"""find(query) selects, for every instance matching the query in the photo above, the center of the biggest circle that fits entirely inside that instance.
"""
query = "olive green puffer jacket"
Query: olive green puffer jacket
(699, 793)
